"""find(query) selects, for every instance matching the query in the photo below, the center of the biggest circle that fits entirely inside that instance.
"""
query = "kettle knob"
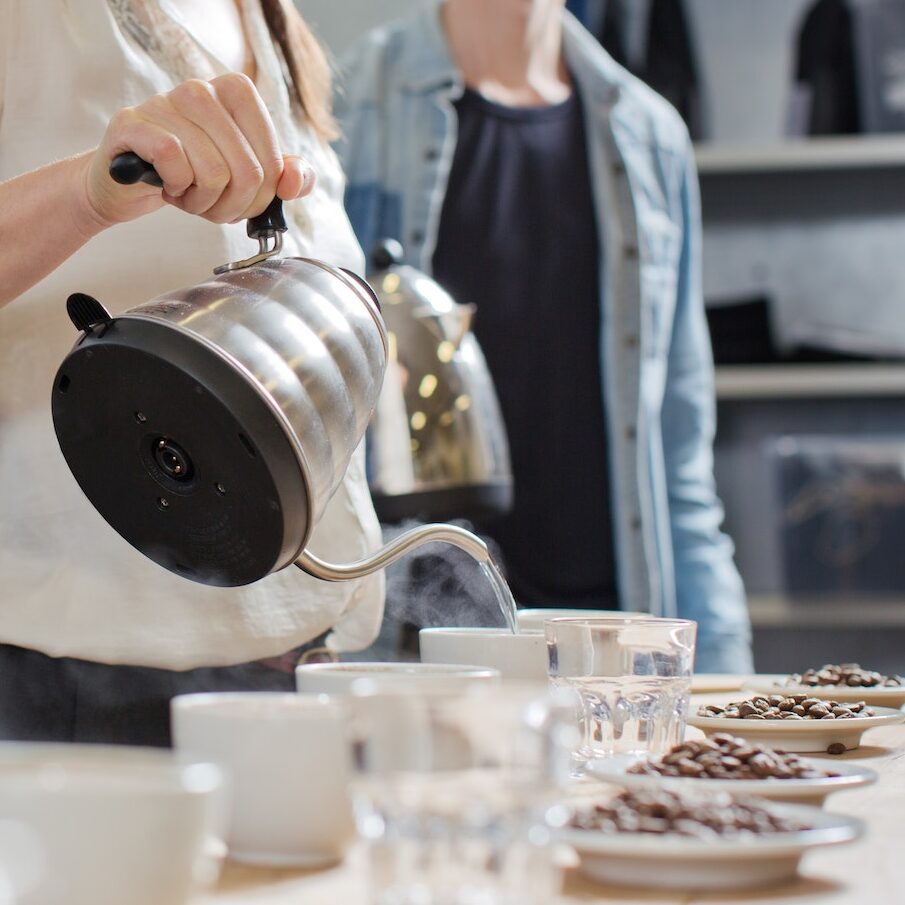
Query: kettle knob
(386, 253)
(86, 312)
(128, 168)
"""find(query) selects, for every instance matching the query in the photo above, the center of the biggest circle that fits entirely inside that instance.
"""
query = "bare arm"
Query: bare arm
(213, 144)
(45, 218)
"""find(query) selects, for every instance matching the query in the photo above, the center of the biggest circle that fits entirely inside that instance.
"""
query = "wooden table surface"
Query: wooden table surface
(870, 871)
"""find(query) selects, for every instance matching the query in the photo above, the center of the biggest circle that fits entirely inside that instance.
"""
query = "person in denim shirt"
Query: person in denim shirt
(397, 110)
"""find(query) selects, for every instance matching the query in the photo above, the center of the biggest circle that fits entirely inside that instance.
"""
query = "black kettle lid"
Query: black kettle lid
(177, 450)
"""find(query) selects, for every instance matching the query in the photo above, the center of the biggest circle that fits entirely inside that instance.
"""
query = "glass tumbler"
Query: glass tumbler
(632, 679)
(454, 792)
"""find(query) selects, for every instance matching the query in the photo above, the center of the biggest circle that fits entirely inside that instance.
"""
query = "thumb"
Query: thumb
(297, 179)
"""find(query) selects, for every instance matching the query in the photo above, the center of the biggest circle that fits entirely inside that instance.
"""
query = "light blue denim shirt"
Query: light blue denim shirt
(395, 108)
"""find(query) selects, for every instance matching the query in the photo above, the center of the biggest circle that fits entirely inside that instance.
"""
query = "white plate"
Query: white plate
(670, 862)
(800, 736)
(890, 696)
(801, 791)
(712, 682)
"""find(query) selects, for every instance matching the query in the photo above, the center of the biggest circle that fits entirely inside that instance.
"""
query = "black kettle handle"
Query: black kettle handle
(128, 168)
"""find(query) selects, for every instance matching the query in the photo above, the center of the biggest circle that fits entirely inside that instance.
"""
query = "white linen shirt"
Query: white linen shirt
(69, 585)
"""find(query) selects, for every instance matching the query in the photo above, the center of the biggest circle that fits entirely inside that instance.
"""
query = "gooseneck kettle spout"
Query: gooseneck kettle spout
(425, 534)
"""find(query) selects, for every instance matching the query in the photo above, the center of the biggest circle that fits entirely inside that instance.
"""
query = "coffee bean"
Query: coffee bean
(836, 748)
(850, 675)
(659, 811)
(689, 767)
(724, 756)
(802, 707)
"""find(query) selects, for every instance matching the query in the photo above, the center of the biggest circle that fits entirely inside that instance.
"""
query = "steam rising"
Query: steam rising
(436, 585)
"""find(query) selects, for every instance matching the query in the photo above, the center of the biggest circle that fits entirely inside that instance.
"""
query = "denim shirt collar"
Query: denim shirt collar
(430, 67)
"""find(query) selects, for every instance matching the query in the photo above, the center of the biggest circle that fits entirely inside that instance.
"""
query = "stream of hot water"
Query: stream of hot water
(503, 595)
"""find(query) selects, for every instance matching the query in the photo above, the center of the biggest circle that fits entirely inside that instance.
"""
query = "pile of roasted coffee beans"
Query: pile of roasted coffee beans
(779, 707)
(660, 811)
(850, 675)
(723, 756)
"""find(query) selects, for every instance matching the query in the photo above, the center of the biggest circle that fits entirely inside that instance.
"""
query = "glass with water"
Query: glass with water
(632, 677)
(453, 792)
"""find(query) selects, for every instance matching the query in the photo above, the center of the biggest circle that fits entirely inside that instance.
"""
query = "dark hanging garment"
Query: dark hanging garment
(667, 63)
(826, 69)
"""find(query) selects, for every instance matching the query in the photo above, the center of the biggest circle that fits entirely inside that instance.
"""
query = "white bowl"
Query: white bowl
(337, 678)
(889, 696)
(533, 619)
(516, 656)
(288, 759)
(800, 736)
(800, 791)
(671, 861)
(84, 824)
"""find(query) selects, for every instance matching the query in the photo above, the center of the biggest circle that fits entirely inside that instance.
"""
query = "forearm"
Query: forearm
(45, 218)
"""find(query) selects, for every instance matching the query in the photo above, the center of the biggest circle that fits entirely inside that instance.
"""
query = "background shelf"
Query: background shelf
(811, 381)
(862, 152)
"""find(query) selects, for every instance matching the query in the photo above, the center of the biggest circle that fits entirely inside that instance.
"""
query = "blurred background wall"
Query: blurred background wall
(339, 22)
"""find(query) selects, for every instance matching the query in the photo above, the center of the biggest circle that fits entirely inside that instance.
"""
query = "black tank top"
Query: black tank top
(518, 239)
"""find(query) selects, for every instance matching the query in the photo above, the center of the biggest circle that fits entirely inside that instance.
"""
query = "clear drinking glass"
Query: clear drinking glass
(453, 792)
(633, 681)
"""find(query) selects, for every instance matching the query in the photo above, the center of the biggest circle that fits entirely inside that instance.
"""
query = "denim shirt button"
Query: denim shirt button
(631, 433)
(417, 237)
(635, 523)
(630, 251)
(631, 341)
(431, 154)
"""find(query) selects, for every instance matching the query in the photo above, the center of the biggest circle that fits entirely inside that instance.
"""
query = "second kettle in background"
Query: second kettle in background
(437, 443)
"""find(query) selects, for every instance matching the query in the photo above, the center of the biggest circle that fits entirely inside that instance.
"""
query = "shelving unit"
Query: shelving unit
(780, 612)
(807, 154)
(823, 381)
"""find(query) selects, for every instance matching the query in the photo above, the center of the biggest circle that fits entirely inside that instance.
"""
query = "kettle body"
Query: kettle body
(437, 442)
(210, 426)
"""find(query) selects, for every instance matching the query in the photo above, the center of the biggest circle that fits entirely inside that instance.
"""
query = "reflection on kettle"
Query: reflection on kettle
(437, 444)
(211, 426)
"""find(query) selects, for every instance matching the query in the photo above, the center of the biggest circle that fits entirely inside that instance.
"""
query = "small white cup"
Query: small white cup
(288, 761)
(337, 678)
(85, 824)
(521, 656)
(532, 620)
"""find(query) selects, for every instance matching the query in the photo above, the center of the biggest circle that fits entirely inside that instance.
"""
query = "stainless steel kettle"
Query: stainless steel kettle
(210, 426)
(437, 443)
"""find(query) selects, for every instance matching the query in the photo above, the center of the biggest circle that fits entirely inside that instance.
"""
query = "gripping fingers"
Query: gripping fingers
(155, 143)
(199, 103)
(240, 99)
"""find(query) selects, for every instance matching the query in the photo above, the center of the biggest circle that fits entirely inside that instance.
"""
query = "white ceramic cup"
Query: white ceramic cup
(88, 824)
(288, 761)
(532, 620)
(337, 678)
(521, 656)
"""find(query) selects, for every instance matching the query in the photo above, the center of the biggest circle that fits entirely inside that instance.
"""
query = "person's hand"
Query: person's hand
(213, 145)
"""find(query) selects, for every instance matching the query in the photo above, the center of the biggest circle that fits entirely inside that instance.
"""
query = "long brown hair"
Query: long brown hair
(307, 64)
